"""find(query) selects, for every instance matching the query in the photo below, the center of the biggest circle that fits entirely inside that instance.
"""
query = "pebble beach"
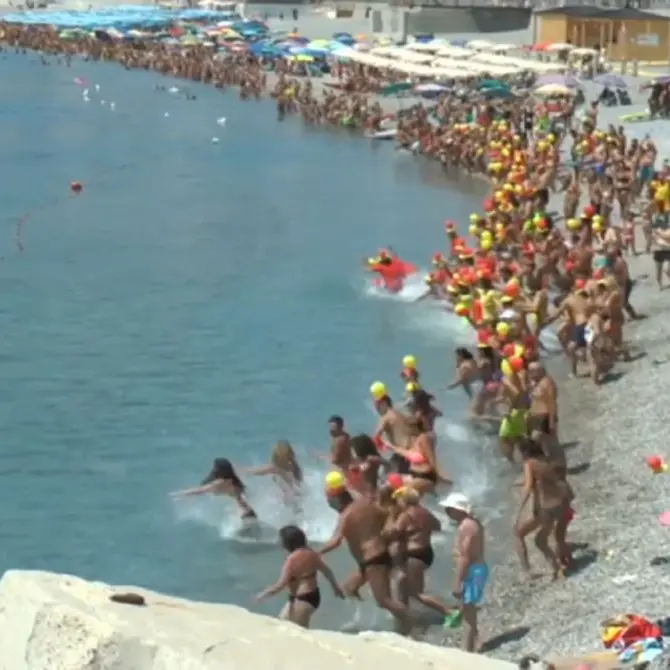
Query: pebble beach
(610, 431)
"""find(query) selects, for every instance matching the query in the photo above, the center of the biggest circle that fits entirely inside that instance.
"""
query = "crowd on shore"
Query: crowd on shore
(513, 270)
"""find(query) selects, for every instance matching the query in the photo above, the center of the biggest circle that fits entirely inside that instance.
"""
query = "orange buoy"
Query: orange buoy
(76, 187)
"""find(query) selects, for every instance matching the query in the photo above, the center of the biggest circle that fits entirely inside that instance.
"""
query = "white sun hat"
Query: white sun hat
(457, 501)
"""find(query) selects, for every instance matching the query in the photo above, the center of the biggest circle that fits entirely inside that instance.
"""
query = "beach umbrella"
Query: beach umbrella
(318, 44)
(315, 53)
(500, 92)
(430, 90)
(300, 58)
(491, 83)
(610, 80)
(344, 38)
(566, 80)
(553, 89)
(394, 89)
(560, 46)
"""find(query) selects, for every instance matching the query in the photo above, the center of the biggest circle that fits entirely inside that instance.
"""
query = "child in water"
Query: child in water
(222, 480)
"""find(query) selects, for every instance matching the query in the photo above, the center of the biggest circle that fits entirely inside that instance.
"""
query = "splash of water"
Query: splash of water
(312, 514)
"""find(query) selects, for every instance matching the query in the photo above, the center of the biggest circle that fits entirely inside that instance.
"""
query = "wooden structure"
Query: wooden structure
(623, 34)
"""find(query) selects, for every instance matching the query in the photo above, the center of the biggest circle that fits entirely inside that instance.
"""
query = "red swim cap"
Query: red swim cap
(394, 480)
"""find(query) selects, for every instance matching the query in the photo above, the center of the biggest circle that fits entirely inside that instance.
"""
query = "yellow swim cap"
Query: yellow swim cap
(409, 362)
(412, 387)
(335, 480)
(378, 390)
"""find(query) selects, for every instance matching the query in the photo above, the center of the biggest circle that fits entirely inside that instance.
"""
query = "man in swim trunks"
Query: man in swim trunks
(362, 525)
(394, 427)
(472, 573)
(577, 309)
(543, 412)
(340, 451)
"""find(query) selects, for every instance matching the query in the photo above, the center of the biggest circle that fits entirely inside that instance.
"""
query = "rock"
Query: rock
(59, 622)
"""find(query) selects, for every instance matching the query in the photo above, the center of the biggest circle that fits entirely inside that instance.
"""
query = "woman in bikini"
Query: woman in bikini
(415, 524)
(223, 481)
(299, 576)
(286, 473)
(424, 471)
(550, 495)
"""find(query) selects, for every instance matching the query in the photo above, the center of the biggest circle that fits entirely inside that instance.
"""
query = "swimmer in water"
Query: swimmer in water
(299, 576)
(223, 481)
(285, 471)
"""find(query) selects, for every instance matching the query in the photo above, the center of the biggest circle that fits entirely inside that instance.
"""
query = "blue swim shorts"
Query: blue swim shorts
(475, 583)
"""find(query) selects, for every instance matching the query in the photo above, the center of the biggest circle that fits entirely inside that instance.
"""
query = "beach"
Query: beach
(611, 430)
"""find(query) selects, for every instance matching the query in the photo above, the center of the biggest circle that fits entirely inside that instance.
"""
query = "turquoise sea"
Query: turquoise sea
(197, 300)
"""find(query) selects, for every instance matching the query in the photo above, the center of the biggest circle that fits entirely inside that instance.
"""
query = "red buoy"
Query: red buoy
(76, 187)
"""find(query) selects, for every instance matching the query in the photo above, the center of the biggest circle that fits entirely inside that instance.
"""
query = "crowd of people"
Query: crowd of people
(513, 270)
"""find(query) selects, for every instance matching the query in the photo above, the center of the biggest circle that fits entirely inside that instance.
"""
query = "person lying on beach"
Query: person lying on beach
(299, 576)
(223, 481)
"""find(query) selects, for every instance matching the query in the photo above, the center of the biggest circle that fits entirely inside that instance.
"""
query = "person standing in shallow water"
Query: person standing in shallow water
(299, 575)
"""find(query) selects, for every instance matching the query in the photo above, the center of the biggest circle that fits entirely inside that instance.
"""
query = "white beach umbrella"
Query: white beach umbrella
(479, 44)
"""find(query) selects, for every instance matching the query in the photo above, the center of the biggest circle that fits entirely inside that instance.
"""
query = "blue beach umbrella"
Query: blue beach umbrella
(315, 53)
(344, 38)
(610, 80)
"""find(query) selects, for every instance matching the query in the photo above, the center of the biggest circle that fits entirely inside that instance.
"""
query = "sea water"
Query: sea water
(199, 299)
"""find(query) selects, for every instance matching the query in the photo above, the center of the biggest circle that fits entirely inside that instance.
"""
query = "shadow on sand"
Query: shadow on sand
(512, 635)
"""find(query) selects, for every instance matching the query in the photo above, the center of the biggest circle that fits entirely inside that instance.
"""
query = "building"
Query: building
(623, 34)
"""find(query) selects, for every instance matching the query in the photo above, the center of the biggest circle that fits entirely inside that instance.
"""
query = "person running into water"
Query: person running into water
(222, 480)
(362, 526)
(472, 573)
(424, 472)
(285, 471)
(420, 404)
(416, 525)
(393, 428)
(299, 576)
(363, 472)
